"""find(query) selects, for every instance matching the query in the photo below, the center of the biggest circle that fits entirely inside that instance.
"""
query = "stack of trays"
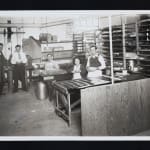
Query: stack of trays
(117, 45)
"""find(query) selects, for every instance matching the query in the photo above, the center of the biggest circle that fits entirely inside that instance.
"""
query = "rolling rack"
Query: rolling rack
(78, 46)
(131, 46)
(117, 45)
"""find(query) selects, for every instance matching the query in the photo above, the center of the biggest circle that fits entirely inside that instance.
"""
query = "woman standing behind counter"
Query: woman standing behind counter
(78, 69)
(95, 64)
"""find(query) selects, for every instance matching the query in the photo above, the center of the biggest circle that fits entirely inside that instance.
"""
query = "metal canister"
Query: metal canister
(41, 90)
(131, 65)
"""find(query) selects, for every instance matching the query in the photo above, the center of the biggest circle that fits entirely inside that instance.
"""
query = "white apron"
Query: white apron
(94, 74)
(77, 75)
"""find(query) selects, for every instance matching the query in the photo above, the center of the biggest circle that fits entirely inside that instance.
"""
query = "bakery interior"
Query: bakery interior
(61, 102)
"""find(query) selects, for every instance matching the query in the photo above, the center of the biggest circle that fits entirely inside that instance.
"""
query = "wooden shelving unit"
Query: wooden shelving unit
(131, 45)
(130, 37)
(144, 46)
(117, 47)
(78, 44)
(89, 38)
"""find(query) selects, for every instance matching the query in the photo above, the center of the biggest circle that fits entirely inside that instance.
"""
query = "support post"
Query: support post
(111, 50)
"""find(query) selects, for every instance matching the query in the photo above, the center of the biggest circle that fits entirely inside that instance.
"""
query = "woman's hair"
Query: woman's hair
(93, 46)
(76, 58)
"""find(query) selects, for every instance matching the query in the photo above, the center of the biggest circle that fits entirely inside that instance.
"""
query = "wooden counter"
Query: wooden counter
(68, 95)
(118, 110)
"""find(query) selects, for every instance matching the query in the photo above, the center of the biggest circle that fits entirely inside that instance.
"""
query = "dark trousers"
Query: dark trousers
(19, 74)
(1, 80)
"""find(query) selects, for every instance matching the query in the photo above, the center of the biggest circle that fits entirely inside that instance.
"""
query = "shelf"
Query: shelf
(117, 57)
(144, 45)
(56, 42)
(144, 50)
(144, 65)
(144, 21)
(144, 31)
(144, 42)
(144, 60)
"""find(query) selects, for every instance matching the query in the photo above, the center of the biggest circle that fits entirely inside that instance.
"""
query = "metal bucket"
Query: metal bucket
(41, 90)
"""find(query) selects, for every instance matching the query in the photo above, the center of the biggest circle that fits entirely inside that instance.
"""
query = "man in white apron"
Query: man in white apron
(95, 64)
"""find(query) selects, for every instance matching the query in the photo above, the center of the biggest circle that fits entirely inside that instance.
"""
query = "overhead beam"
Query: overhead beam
(56, 23)
(35, 25)
(20, 25)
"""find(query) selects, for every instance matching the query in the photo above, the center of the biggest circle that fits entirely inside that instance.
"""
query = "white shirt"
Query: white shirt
(96, 73)
(19, 58)
(51, 65)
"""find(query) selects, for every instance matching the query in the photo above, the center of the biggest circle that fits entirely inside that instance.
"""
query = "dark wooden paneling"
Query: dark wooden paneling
(119, 109)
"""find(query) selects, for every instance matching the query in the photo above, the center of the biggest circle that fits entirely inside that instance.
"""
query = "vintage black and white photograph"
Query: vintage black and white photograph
(74, 73)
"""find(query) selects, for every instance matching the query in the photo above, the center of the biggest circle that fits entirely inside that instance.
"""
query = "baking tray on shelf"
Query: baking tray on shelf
(144, 61)
(114, 49)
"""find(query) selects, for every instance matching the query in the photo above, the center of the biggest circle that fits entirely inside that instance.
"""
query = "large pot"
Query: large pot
(41, 90)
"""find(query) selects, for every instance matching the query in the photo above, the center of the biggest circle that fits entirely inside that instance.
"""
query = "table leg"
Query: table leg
(10, 80)
(57, 99)
(65, 115)
(69, 109)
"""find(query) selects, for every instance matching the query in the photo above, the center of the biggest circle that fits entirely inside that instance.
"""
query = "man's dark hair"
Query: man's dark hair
(93, 46)
(1, 44)
(49, 55)
(17, 46)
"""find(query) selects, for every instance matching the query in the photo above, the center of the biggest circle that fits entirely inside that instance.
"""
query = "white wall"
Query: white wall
(80, 24)
(84, 23)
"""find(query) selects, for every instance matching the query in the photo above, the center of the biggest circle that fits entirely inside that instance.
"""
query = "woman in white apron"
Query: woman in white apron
(95, 64)
(77, 69)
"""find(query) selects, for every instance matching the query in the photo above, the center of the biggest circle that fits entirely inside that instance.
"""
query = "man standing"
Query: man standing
(3, 62)
(95, 64)
(19, 60)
